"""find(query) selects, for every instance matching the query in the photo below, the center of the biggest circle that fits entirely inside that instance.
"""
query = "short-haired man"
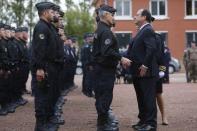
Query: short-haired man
(105, 56)
(144, 70)
(44, 67)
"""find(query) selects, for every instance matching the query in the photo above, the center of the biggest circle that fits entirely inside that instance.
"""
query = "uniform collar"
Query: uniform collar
(106, 25)
(49, 24)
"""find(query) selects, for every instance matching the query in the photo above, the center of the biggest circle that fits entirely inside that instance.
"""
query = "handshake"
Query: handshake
(125, 62)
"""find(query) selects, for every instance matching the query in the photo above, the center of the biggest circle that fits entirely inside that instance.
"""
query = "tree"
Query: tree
(4, 13)
(78, 21)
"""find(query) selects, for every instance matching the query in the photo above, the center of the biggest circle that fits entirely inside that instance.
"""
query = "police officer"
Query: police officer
(60, 53)
(3, 72)
(12, 67)
(105, 57)
(86, 59)
(25, 58)
(22, 64)
(45, 67)
(167, 58)
(192, 67)
(74, 55)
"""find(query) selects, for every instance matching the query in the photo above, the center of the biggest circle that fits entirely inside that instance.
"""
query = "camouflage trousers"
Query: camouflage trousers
(192, 69)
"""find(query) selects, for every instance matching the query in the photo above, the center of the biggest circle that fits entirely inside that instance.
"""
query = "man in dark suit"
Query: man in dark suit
(144, 70)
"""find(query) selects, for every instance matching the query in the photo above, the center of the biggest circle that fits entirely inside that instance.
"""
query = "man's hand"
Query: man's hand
(40, 75)
(1, 72)
(143, 70)
(125, 62)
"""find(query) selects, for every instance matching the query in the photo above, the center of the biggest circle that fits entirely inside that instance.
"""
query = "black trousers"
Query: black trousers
(46, 93)
(23, 75)
(104, 84)
(15, 85)
(4, 90)
(146, 97)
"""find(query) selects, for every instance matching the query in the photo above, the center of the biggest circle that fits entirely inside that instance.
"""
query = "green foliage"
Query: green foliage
(22, 12)
(78, 21)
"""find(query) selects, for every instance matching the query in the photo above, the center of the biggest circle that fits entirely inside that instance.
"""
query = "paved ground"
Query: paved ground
(80, 114)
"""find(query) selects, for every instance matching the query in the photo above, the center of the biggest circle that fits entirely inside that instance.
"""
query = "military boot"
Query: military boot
(3, 111)
(57, 120)
(111, 117)
(103, 124)
(40, 125)
(51, 126)
(10, 108)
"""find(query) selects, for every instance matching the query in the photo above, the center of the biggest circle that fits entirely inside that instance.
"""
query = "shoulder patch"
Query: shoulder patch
(41, 36)
(6, 50)
(107, 41)
(95, 35)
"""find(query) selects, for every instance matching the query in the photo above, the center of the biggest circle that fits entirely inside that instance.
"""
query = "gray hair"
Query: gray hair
(102, 13)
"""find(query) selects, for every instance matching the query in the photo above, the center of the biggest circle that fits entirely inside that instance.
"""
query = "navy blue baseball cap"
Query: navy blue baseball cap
(108, 9)
(56, 8)
(86, 35)
(25, 29)
(44, 6)
(61, 13)
(7, 27)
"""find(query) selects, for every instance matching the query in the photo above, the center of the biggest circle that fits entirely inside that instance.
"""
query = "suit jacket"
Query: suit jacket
(142, 52)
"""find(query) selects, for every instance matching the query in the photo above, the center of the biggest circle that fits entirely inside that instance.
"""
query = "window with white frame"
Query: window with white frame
(191, 8)
(158, 8)
(190, 36)
(123, 8)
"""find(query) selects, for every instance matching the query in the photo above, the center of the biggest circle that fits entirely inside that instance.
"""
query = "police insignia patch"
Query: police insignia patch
(107, 41)
(95, 35)
(6, 50)
(41, 36)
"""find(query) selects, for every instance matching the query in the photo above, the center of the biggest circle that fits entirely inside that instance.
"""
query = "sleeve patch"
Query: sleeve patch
(41, 36)
(107, 41)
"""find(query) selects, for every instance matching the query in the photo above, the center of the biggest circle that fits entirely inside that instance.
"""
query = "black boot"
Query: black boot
(22, 101)
(103, 124)
(40, 125)
(10, 108)
(51, 126)
(111, 117)
(3, 111)
(57, 120)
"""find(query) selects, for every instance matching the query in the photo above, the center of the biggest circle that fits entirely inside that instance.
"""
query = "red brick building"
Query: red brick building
(176, 20)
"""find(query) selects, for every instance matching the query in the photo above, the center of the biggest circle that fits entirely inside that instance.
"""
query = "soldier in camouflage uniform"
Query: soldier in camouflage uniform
(185, 63)
(190, 62)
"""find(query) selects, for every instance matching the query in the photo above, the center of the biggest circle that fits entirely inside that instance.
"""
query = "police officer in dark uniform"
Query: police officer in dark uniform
(60, 55)
(167, 58)
(12, 64)
(45, 67)
(74, 56)
(105, 56)
(4, 83)
(23, 63)
(86, 59)
(70, 60)
(25, 59)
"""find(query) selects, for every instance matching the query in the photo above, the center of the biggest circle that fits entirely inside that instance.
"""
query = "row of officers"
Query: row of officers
(53, 64)
(51, 58)
(14, 67)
